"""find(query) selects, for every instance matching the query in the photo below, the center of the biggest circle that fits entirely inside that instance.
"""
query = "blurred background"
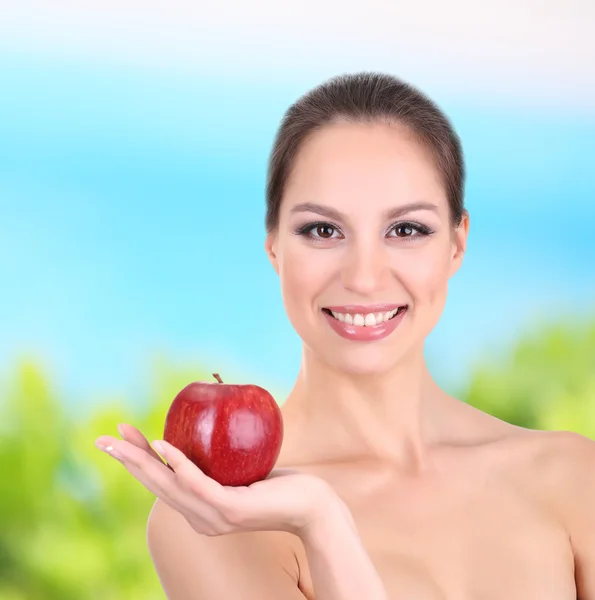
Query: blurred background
(134, 138)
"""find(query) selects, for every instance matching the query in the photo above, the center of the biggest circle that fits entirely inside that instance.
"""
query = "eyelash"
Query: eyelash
(306, 230)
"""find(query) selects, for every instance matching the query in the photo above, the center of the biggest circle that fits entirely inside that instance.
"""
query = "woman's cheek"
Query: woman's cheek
(428, 286)
(428, 274)
(299, 285)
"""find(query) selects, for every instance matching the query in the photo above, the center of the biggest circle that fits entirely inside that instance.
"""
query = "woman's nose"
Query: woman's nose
(366, 269)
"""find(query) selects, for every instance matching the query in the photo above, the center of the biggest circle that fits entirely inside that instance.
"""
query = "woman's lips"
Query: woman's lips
(365, 333)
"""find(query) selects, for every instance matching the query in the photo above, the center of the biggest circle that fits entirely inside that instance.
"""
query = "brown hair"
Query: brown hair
(366, 97)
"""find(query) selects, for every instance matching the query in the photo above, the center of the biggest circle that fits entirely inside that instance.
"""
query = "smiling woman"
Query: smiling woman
(386, 486)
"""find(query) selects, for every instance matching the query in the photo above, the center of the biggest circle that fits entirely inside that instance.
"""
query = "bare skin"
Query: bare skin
(478, 520)
(449, 501)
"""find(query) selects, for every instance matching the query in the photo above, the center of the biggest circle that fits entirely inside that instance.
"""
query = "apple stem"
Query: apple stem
(216, 376)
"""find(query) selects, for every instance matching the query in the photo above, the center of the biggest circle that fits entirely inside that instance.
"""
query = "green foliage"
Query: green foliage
(547, 380)
(73, 520)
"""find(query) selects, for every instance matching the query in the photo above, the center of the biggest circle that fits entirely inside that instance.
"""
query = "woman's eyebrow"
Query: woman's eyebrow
(332, 213)
(319, 209)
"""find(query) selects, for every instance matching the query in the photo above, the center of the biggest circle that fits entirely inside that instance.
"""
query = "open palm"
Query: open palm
(287, 500)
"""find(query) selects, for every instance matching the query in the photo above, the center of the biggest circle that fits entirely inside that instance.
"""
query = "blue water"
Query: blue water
(131, 221)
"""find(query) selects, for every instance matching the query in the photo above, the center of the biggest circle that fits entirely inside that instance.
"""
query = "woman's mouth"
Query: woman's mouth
(365, 319)
(364, 324)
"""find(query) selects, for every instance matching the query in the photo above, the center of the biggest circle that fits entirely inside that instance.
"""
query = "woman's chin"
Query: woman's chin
(360, 360)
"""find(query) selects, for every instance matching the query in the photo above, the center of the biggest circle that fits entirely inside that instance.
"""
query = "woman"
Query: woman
(386, 486)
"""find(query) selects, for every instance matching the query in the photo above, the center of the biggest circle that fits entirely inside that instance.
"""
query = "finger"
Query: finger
(151, 472)
(189, 475)
(134, 436)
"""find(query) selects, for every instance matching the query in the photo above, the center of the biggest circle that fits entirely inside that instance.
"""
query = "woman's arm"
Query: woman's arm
(251, 565)
(258, 565)
(561, 473)
(573, 467)
(210, 541)
(339, 565)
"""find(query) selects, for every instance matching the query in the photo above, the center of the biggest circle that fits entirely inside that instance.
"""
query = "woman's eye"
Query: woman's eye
(324, 231)
(410, 230)
(318, 231)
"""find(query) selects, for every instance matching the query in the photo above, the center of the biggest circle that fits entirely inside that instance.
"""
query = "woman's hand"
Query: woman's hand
(286, 500)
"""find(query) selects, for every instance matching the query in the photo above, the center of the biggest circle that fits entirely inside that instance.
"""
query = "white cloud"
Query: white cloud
(536, 50)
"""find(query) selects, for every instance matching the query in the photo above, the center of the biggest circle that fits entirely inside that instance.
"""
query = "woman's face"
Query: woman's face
(364, 229)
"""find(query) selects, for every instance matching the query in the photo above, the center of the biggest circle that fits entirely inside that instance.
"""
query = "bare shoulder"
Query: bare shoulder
(564, 461)
(553, 455)
(260, 565)
(554, 464)
(558, 467)
(555, 459)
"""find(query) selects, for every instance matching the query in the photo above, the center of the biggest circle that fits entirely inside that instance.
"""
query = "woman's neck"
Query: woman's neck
(391, 417)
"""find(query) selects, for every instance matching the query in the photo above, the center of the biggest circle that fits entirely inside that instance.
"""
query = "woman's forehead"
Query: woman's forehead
(371, 175)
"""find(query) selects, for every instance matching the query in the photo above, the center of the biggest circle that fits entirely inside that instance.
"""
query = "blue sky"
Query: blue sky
(132, 207)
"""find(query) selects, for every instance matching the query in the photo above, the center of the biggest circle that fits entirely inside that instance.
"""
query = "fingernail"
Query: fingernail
(121, 430)
(159, 447)
(114, 453)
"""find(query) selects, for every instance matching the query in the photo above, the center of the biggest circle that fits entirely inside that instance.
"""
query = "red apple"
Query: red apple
(232, 433)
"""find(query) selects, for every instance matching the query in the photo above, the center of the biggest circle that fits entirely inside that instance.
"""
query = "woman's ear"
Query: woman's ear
(460, 244)
(270, 246)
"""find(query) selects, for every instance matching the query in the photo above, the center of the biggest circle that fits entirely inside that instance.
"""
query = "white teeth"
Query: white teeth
(370, 320)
